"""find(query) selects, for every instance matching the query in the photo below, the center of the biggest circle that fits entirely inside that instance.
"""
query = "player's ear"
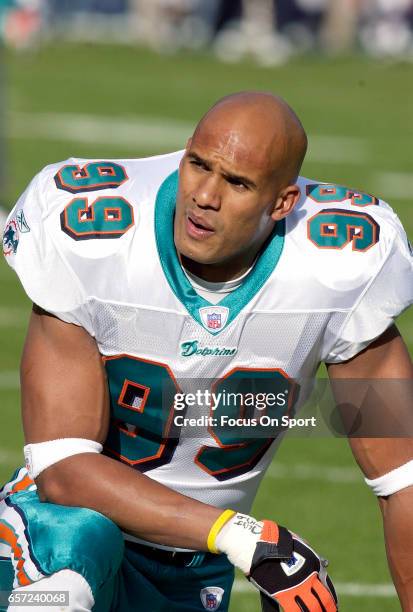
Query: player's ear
(285, 202)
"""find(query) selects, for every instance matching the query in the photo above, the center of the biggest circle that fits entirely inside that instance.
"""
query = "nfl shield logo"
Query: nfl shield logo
(214, 320)
(211, 601)
(211, 597)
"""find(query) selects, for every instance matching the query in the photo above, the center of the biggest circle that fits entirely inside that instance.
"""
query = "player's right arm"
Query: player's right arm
(64, 395)
(64, 388)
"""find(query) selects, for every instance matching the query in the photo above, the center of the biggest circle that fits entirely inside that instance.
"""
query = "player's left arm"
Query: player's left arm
(387, 358)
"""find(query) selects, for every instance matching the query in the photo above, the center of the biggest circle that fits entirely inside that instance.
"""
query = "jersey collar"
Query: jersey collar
(231, 304)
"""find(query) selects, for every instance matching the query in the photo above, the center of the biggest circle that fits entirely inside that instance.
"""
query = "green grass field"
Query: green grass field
(360, 120)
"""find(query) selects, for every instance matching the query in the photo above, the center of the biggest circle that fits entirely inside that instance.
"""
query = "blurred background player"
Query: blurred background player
(269, 31)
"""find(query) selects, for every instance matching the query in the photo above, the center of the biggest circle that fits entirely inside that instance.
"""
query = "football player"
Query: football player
(217, 265)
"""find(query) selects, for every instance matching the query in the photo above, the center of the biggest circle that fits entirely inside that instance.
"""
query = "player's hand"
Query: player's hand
(283, 567)
(286, 569)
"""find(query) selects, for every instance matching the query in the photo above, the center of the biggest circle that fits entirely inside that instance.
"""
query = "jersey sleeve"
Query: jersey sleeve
(31, 250)
(388, 294)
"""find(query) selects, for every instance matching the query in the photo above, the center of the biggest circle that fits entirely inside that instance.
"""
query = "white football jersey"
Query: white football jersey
(92, 242)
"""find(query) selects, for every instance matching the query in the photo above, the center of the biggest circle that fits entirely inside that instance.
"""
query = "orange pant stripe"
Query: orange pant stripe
(8, 536)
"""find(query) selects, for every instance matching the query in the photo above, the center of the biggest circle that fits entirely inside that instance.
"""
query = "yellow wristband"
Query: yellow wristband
(216, 528)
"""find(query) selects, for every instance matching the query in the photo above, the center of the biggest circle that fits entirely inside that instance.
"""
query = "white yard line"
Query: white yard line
(311, 471)
(395, 185)
(337, 149)
(132, 134)
(135, 133)
(138, 132)
(349, 589)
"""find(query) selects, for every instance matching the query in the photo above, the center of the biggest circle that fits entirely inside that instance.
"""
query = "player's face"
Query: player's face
(226, 197)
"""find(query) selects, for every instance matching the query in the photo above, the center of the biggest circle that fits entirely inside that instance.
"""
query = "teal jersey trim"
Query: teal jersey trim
(178, 281)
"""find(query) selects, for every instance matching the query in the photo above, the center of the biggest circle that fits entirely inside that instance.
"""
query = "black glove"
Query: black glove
(289, 573)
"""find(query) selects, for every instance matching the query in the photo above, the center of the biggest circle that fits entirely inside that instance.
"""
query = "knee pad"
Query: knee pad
(49, 537)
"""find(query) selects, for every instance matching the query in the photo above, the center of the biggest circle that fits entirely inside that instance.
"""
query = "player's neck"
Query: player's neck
(224, 271)
(217, 273)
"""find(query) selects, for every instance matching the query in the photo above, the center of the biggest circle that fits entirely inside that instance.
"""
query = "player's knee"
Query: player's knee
(65, 537)
(94, 546)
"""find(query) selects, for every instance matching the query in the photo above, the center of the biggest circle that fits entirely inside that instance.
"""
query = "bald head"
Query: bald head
(263, 127)
(237, 180)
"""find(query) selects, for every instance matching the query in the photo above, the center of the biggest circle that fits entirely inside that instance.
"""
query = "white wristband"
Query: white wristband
(393, 481)
(238, 539)
(42, 455)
